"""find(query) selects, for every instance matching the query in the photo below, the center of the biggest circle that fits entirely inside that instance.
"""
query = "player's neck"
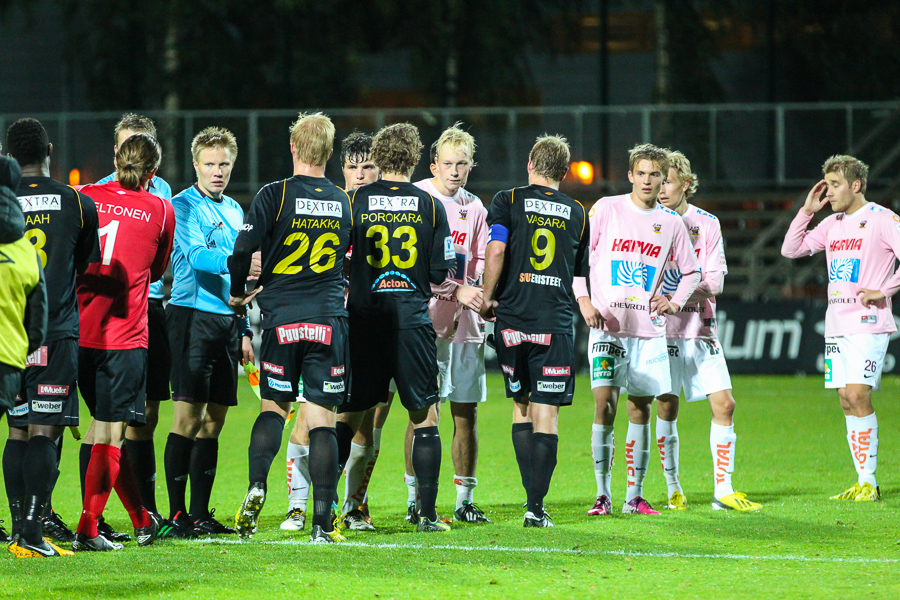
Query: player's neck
(301, 168)
(538, 180)
(858, 203)
(443, 191)
(681, 208)
(395, 177)
(41, 170)
(209, 194)
(649, 205)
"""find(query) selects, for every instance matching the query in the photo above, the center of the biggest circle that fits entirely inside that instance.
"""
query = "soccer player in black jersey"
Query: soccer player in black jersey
(401, 245)
(62, 224)
(303, 226)
(536, 246)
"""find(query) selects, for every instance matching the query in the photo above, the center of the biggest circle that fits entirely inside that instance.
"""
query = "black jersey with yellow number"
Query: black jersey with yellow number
(62, 224)
(302, 225)
(401, 245)
(547, 247)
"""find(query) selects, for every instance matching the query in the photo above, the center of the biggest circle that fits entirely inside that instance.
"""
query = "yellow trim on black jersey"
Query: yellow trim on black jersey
(433, 210)
(348, 200)
(280, 208)
(512, 195)
(80, 209)
(584, 216)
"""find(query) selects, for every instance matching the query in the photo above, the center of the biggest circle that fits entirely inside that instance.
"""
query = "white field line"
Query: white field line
(539, 550)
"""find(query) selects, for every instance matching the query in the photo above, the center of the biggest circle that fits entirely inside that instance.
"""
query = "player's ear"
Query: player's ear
(630, 177)
(49, 150)
(857, 185)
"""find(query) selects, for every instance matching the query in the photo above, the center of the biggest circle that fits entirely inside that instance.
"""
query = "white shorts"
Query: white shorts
(461, 374)
(857, 358)
(640, 363)
(698, 367)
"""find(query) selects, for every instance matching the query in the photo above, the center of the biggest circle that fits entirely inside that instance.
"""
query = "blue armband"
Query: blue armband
(498, 233)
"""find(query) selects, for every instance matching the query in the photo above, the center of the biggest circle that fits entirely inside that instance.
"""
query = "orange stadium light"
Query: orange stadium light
(583, 171)
(74, 177)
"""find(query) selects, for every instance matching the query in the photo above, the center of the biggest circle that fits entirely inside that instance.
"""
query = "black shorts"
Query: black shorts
(159, 356)
(316, 350)
(49, 394)
(539, 364)
(113, 384)
(379, 354)
(10, 382)
(206, 352)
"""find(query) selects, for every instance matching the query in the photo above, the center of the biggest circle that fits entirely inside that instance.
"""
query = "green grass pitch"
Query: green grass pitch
(792, 455)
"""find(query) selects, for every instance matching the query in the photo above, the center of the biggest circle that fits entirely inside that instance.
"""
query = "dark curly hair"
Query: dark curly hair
(27, 141)
(356, 147)
(396, 149)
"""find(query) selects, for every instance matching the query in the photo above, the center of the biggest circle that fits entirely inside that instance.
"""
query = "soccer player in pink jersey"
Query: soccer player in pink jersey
(861, 241)
(459, 329)
(632, 237)
(696, 362)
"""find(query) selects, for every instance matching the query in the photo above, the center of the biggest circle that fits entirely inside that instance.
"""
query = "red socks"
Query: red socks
(102, 472)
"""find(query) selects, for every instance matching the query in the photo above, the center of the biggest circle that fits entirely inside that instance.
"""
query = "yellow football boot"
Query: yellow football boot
(735, 501)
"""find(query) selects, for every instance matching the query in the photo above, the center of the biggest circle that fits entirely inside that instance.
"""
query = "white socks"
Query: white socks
(357, 472)
(862, 436)
(637, 456)
(465, 489)
(297, 476)
(667, 441)
(410, 481)
(721, 444)
(603, 450)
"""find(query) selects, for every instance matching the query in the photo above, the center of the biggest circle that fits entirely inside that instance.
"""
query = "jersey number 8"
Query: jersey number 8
(286, 265)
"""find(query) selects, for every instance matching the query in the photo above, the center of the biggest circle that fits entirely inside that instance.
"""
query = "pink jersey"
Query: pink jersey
(697, 319)
(629, 249)
(467, 217)
(860, 251)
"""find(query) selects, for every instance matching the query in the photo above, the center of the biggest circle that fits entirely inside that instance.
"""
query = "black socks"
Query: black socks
(324, 474)
(265, 441)
(426, 460)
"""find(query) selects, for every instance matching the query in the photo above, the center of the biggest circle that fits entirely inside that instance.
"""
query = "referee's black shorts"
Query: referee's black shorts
(159, 356)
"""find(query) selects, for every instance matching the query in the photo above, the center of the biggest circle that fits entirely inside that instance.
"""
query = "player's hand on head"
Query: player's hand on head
(815, 200)
(592, 316)
(662, 306)
(239, 304)
(869, 297)
(470, 296)
(255, 266)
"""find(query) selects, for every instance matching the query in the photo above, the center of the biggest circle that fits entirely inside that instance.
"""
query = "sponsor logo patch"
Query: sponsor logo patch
(49, 389)
(318, 208)
(272, 368)
(602, 367)
(337, 371)
(557, 371)
(515, 386)
(511, 338)
(304, 332)
(508, 370)
(844, 269)
(449, 248)
(281, 386)
(865, 319)
(551, 386)
(47, 406)
(247, 227)
(828, 367)
(393, 281)
(38, 358)
(632, 273)
(333, 387)
(547, 208)
(39, 203)
(18, 411)
(394, 203)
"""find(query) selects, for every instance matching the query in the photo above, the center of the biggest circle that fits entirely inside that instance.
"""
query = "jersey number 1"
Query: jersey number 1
(109, 230)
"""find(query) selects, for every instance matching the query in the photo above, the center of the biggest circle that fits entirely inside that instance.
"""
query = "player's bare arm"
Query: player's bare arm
(470, 296)
(239, 304)
(589, 312)
(493, 269)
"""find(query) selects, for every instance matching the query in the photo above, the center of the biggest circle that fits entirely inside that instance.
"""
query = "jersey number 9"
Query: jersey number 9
(543, 254)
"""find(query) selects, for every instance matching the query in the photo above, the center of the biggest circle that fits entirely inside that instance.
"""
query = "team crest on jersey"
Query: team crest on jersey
(318, 208)
(844, 269)
(862, 224)
(41, 202)
(463, 215)
(394, 203)
(694, 231)
(393, 281)
(657, 228)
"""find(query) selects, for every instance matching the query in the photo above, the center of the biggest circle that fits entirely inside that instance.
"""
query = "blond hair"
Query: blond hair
(134, 123)
(136, 160)
(396, 149)
(682, 166)
(649, 152)
(550, 156)
(850, 168)
(313, 138)
(457, 138)
(214, 137)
